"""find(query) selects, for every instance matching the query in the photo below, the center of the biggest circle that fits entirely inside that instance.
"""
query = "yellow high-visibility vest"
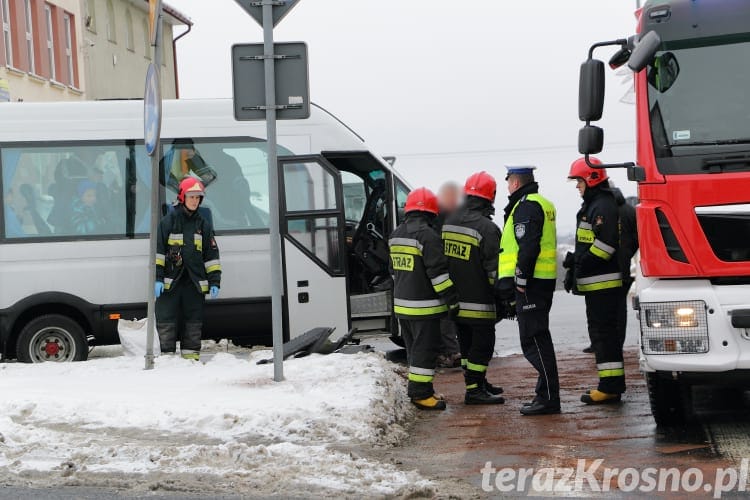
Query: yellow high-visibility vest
(546, 263)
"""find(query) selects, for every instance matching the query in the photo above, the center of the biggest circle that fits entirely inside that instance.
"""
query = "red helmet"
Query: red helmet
(591, 176)
(421, 200)
(481, 185)
(190, 185)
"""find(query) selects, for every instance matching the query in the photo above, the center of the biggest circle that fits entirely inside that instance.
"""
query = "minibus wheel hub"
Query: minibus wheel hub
(52, 348)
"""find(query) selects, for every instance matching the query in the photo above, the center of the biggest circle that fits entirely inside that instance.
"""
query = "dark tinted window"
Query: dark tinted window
(699, 103)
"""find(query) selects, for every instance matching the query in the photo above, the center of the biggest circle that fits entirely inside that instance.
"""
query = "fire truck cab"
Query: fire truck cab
(693, 175)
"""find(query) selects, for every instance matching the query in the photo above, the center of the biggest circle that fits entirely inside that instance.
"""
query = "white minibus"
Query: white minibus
(76, 184)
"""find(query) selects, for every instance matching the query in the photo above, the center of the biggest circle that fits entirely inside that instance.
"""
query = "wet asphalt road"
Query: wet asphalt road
(453, 446)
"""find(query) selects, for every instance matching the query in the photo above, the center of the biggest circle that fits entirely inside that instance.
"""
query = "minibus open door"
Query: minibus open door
(313, 252)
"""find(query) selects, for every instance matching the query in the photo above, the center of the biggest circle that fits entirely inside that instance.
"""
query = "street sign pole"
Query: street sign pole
(273, 184)
(156, 20)
(268, 13)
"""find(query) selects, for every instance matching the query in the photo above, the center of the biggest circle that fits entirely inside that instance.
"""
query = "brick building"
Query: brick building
(54, 50)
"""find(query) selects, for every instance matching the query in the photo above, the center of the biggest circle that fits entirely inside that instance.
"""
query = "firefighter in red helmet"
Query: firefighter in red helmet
(472, 244)
(594, 271)
(187, 269)
(423, 293)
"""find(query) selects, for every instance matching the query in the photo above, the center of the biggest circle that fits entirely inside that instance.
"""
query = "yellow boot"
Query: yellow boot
(431, 403)
(596, 397)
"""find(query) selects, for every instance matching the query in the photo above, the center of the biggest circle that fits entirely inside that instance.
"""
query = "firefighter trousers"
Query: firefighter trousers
(602, 311)
(183, 301)
(477, 341)
(422, 341)
(448, 337)
(532, 311)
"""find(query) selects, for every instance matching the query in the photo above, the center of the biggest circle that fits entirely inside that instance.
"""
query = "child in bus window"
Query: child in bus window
(86, 219)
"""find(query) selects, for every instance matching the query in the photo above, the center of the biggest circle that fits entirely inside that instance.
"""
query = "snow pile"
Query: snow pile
(108, 418)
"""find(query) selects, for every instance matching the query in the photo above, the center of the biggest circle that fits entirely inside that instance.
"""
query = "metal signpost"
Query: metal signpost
(269, 13)
(152, 135)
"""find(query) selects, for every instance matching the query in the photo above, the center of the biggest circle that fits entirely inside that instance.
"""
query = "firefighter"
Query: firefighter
(597, 276)
(472, 244)
(187, 268)
(423, 293)
(527, 277)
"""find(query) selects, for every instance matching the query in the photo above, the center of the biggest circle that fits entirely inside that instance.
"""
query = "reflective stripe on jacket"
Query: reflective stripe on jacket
(186, 249)
(545, 266)
(472, 244)
(597, 242)
(422, 286)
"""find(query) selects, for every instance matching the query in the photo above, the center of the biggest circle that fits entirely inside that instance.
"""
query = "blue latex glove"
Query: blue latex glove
(214, 292)
(158, 289)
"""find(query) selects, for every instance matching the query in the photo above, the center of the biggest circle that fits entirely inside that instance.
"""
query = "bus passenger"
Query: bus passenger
(86, 219)
(187, 268)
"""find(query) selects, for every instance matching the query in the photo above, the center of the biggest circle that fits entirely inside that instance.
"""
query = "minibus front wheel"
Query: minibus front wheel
(52, 338)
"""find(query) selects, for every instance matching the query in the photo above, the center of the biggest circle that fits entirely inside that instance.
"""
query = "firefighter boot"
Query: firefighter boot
(190, 346)
(596, 397)
(433, 403)
(479, 396)
(495, 390)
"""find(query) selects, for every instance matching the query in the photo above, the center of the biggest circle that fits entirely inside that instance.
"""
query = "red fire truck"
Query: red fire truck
(692, 76)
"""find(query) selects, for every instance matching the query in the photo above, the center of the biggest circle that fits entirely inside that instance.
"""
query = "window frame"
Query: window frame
(129, 32)
(111, 22)
(50, 31)
(74, 238)
(69, 49)
(7, 35)
(146, 41)
(29, 37)
(90, 15)
(286, 216)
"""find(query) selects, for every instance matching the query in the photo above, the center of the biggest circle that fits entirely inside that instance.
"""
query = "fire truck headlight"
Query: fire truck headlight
(674, 327)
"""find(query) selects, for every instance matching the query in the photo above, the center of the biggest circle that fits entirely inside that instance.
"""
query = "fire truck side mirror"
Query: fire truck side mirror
(591, 91)
(590, 140)
(644, 51)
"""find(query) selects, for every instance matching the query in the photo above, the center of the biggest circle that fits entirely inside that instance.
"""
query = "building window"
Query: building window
(164, 46)
(69, 49)
(111, 27)
(5, 13)
(91, 15)
(29, 36)
(146, 41)
(50, 41)
(129, 43)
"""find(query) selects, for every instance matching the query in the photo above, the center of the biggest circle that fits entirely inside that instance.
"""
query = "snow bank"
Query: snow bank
(225, 417)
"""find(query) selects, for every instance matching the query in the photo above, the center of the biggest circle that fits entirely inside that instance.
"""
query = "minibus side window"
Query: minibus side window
(355, 196)
(401, 193)
(235, 173)
(75, 190)
(310, 199)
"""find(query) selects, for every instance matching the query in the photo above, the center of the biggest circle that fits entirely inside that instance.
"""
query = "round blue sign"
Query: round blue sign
(152, 110)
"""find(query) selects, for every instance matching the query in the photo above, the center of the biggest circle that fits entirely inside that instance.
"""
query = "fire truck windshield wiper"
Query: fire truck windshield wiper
(722, 142)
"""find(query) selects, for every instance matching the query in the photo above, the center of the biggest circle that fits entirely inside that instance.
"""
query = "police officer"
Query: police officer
(472, 244)
(187, 268)
(528, 276)
(423, 293)
(597, 275)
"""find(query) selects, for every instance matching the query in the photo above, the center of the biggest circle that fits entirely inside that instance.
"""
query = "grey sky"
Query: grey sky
(486, 83)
